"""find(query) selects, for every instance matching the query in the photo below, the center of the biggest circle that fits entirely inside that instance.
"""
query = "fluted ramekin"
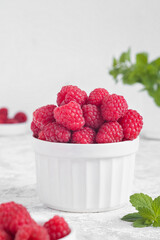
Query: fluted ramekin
(85, 177)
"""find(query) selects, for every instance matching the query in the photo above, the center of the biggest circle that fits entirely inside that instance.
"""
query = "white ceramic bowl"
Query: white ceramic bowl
(85, 177)
(13, 129)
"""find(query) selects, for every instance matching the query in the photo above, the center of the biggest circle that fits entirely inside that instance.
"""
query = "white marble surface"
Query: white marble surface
(18, 183)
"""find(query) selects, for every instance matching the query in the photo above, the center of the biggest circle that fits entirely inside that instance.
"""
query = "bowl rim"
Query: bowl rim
(71, 150)
(91, 144)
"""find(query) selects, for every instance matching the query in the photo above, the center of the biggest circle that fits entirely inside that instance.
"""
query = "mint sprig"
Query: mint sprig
(148, 211)
(141, 71)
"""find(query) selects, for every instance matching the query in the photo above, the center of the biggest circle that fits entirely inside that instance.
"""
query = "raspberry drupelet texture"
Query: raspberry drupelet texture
(57, 228)
(110, 132)
(13, 216)
(132, 123)
(20, 117)
(43, 115)
(70, 116)
(84, 136)
(4, 235)
(41, 135)
(92, 116)
(32, 232)
(97, 95)
(71, 93)
(3, 114)
(113, 107)
(34, 129)
(54, 132)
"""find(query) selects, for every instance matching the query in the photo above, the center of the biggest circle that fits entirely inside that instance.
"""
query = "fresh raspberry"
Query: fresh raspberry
(97, 95)
(41, 135)
(13, 216)
(70, 116)
(92, 116)
(113, 107)
(11, 120)
(132, 123)
(34, 129)
(71, 93)
(110, 132)
(32, 232)
(84, 136)
(54, 132)
(43, 115)
(4, 235)
(3, 114)
(20, 117)
(57, 228)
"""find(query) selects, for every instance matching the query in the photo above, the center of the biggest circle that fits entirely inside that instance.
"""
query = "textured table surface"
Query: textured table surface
(18, 183)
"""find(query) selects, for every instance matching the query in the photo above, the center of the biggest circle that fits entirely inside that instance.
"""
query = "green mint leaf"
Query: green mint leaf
(142, 59)
(156, 206)
(114, 62)
(125, 57)
(140, 223)
(157, 222)
(139, 200)
(131, 217)
(146, 213)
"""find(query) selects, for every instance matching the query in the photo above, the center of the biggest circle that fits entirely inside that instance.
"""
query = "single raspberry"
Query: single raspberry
(43, 115)
(85, 135)
(4, 235)
(132, 123)
(41, 135)
(92, 116)
(70, 116)
(113, 107)
(32, 232)
(71, 93)
(13, 216)
(34, 129)
(110, 132)
(20, 117)
(3, 114)
(97, 95)
(57, 228)
(54, 132)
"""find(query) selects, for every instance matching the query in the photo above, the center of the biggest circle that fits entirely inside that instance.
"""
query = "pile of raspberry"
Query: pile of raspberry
(17, 224)
(100, 117)
(19, 117)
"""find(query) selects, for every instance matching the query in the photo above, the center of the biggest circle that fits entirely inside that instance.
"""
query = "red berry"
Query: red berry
(11, 120)
(32, 232)
(113, 107)
(4, 235)
(132, 123)
(43, 115)
(3, 114)
(84, 136)
(41, 135)
(54, 132)
(71, 93)
(57, 228)
(13, 216)
(34, 129)
(70, 116)
(110, 132)
(97, 95)
(20, 117)
(92, 116)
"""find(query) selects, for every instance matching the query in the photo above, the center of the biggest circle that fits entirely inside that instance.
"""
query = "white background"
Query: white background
(46, 44)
